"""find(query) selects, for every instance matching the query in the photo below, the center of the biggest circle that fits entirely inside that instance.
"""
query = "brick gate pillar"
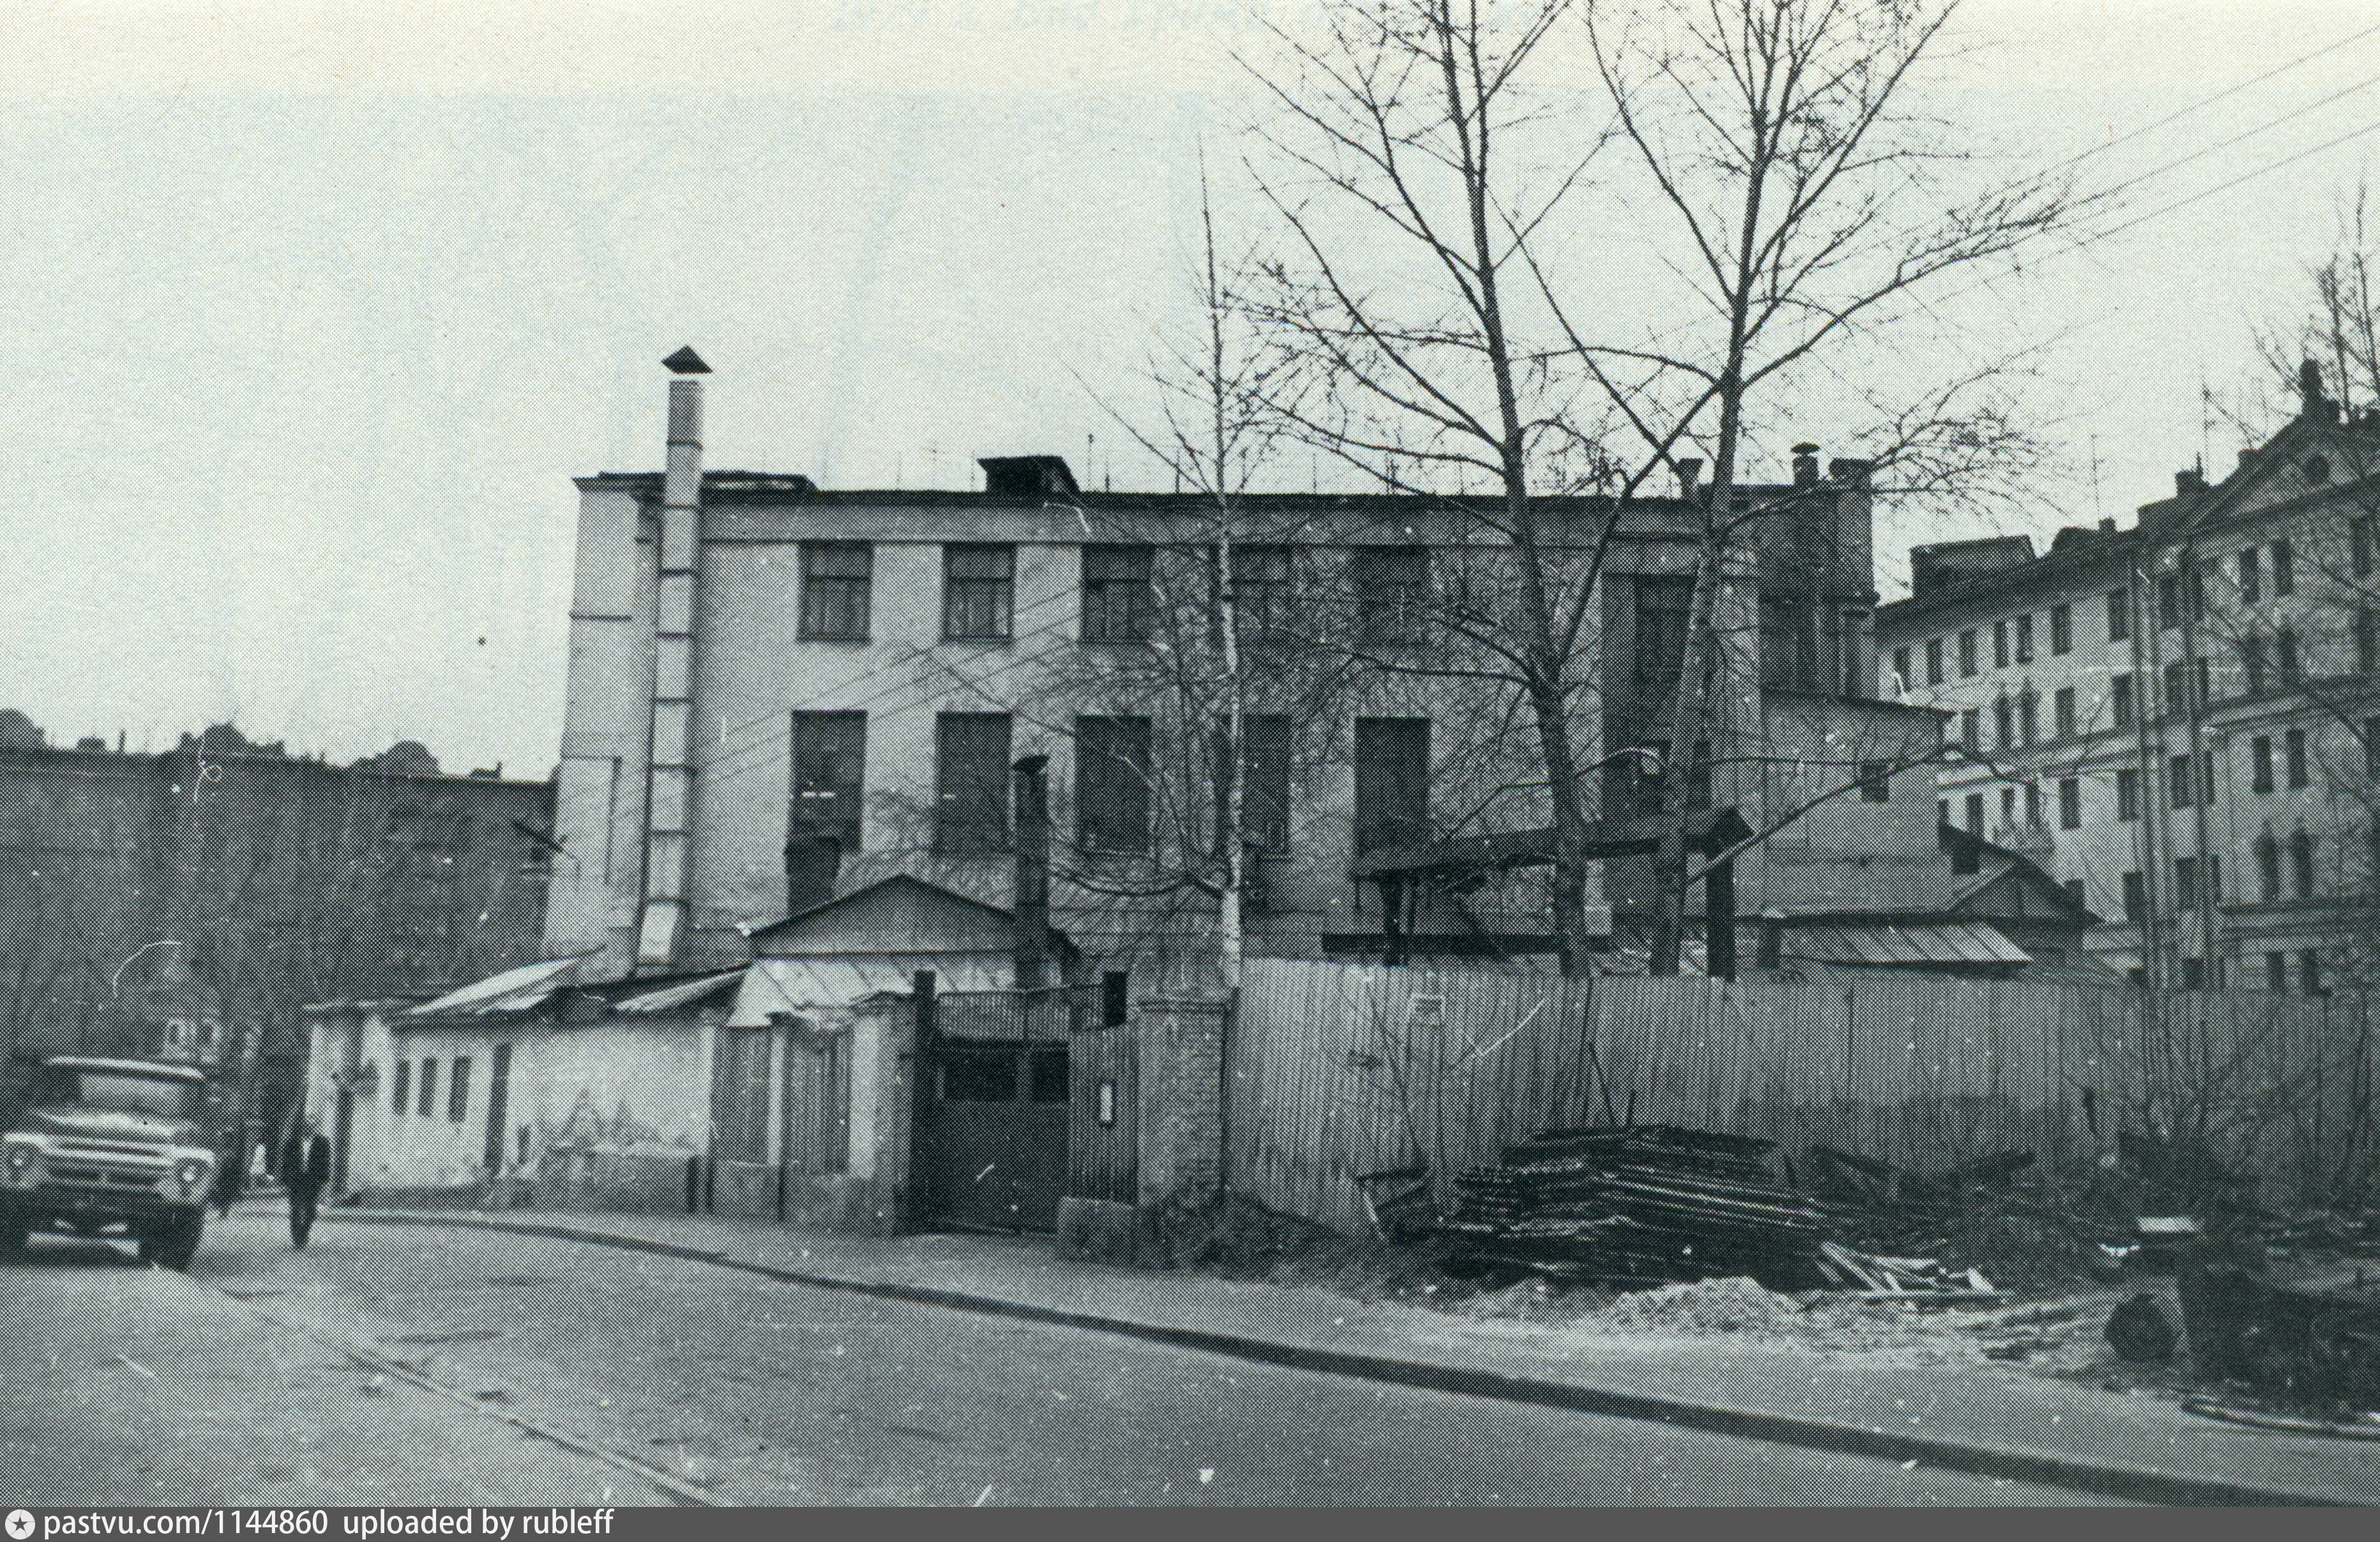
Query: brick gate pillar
(1181, 1046)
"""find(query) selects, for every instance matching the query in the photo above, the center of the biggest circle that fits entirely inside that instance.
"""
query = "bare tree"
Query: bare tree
(1414, 158)
(1813, 211)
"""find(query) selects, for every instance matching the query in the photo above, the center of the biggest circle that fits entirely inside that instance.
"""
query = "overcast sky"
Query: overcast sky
(313, 311)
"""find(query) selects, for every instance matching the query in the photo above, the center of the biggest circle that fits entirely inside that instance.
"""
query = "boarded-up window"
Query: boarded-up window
(1392, 781)
(836, 576)
(1391, 586)
(970, 782)
(458, 1090)
(1111, 768)
(978, 591)
(1118, 605)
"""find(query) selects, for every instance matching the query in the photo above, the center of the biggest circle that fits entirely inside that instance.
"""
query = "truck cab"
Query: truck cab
(111, 1146)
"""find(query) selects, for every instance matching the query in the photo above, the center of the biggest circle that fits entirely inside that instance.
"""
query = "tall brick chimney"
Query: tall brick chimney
(661, 928)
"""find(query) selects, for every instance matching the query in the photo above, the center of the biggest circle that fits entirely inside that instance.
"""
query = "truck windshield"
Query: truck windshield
(125, 1092)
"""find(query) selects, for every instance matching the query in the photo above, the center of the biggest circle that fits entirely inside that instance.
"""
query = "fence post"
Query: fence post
(1181, 1045)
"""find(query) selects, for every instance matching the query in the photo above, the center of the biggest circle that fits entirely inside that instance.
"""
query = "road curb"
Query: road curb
(2141, 1485)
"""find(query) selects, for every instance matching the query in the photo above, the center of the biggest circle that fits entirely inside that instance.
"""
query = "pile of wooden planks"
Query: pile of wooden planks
(1642, 1205)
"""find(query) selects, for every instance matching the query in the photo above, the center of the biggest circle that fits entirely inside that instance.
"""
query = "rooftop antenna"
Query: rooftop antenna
(2098, 508)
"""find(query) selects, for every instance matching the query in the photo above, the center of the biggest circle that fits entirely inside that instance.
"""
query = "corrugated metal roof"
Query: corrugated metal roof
(1915, 944)
(684, 993)
(794, 984)
(514, 990)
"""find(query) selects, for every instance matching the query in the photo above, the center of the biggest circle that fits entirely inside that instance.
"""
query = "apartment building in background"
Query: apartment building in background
(780, 694)
(2179, 720)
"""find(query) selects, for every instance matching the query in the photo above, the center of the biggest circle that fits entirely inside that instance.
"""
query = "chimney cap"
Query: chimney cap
(686, 362)
(1805, 448)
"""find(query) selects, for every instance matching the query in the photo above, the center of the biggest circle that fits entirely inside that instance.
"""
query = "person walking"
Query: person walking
(232, 1176)
(305, 1172)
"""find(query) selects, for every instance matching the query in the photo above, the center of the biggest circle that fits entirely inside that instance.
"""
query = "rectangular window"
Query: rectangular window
(1933, 661)
(458, 1090)
(2136, 897)
(971, 775)
(2276, 971)
(2293, 747)
(2033, 805)
(2205, 683)
(2177, 779)
(978, 592)
(1264, 783)
(1971, 728)
(2007, 807)
(2185, 883)
(1112, 791)
(2193, 974)
(2025, 639)
(2128, 794)
(2070, 803)
(2285, 652)
(2120, 698)
(1974, 813)
(2061, 712)
(829, 755)
(2301, 865)
(2268, 868)
(2207, 778)
(2285, 576)
(429, 1103)
(2168, 602)
(835, 579)
(2367, 642)
(2176, 688)
(2252, 664)
(2028, 716)
(1392, 587)
(2119, 616)
(1902, 678)
(1789, 643)
(2310, 971)
(1118, 605)
(403, 1084)
(1663, 606)
(2004, 721)
(2358, 546)
(2000, 644)
(2251, 577)
(2260, 763)
(1967, 664)
(2062, 629)
(1392, 781)
(1876, 781)
(1264, 593)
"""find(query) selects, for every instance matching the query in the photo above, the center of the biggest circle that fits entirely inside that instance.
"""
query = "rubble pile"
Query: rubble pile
(1639, 1205)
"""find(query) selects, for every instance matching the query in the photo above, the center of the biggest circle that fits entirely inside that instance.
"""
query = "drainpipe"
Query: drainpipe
(670, 775)
(1032, 775)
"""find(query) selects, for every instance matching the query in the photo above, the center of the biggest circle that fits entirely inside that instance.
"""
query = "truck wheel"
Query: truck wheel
(172, 1247)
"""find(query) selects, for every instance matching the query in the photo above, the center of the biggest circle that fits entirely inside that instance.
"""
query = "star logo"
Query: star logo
(20, 1524)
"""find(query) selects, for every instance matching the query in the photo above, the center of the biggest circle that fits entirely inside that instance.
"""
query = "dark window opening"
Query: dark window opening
(1111, 792)
(978, 1075)
(1392, 587)
(1392, 781)
(970, 782)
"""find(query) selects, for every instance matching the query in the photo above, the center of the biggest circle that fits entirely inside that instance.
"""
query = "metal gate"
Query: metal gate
(992, 1134)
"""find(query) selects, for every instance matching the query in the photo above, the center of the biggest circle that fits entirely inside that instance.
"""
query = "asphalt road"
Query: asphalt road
(122, 1385)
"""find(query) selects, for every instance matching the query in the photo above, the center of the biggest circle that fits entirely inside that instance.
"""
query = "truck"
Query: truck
(111, 1147)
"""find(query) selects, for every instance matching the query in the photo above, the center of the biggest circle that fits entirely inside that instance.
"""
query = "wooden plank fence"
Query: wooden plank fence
(1336, 1071)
